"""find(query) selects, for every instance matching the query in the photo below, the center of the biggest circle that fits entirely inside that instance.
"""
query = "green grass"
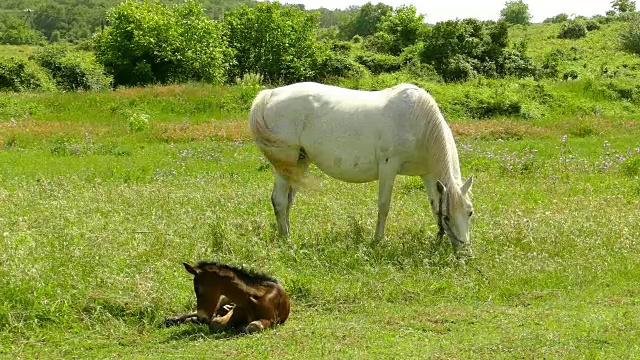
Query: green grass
(19, 51)
(95, 221)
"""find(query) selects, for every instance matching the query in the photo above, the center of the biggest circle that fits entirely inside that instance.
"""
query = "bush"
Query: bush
(276, 41)
(379, 63)
(514, 62)
(72, 70)
(592, 25)
(337, 65)
(138, 122)
(630, 37)
(558, 19)
(460, 50)
(458, 69)
(573, 29)
(148, 42)
(21, 75)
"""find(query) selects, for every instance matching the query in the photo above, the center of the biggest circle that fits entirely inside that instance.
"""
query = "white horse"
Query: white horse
(362, 136)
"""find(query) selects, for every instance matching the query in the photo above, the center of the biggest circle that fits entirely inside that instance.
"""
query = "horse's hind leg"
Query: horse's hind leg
(280, 201)
(284, 191)
(301, 168)
(257, 326)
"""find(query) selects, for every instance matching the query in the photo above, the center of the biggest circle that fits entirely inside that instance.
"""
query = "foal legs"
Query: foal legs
(257, 326)
(386, 177)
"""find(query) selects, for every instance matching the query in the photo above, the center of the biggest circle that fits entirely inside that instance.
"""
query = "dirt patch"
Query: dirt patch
(235, 130)
(487, 129)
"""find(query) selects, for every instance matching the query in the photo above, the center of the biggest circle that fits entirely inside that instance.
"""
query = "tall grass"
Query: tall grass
(95, 220)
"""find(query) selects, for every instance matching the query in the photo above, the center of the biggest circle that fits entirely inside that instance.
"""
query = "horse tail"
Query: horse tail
(271, 145)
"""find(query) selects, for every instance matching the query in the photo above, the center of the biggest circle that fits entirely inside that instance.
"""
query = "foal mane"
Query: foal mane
(248, 277)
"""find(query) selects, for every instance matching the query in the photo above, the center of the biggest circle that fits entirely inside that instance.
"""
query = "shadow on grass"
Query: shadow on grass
(198, 332)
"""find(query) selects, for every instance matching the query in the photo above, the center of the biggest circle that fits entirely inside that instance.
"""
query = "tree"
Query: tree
(462, 49)
(148, 42)
(365, 21)
(400, 28)
(276, 41)
(623, 6)
(515, 12)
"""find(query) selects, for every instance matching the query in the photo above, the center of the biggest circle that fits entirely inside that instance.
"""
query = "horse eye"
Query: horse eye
(470, 213)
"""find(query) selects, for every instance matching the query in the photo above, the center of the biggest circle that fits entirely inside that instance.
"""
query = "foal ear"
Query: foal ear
(190, 269)
(441, 188)
(467, 185)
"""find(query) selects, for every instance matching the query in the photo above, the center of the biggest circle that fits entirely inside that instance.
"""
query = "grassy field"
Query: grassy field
(97, 215)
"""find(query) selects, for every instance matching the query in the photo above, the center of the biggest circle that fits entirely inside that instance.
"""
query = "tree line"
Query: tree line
(143, 42)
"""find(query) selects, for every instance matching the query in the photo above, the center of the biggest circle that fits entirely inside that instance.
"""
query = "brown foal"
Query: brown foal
(232, 298)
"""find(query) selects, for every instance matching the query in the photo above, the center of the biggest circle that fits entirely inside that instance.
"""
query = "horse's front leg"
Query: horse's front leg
(220, 323)
(386, 176)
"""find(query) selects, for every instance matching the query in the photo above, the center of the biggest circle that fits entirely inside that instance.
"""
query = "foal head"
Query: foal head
(208, 286)
(454, 212)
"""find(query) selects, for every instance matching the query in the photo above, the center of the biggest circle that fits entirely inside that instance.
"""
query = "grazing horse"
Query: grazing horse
(231, 298)
(362, 136)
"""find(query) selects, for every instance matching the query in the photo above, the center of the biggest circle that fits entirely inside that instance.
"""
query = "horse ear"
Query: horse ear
(467, 185)
(441, 188)
(190, 269)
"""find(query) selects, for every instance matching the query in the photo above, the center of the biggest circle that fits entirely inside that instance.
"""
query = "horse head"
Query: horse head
(454, 212)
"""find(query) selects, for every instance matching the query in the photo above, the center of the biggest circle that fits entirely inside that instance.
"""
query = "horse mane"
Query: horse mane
(248, 277)
(437, 139)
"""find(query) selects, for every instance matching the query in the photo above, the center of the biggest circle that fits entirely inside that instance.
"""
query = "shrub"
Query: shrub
(592, 25)
(558, 19)
(337, 65)
(514, 62)
(573, 29)
(460, 50)
(72, 70)
(148, 42)
(138, 122)
(18, 74)
(378, 63)
(630, 37)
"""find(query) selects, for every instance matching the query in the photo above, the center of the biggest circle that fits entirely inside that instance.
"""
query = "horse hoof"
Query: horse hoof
(254, 327)
(216, 326)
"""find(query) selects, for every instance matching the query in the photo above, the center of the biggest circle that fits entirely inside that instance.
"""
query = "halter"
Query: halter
(441, 224)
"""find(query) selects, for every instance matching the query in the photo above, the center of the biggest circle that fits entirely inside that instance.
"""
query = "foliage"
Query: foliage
(573, 29)
(337, 65)
(515, 12)
(16, 31)
(76, 20)
(630, 37)
(402, 27)
(17, 74)
(558, 19)
(72, 70)
(273, 40)
(623, 6)
(462, 49)
(378, 63)
(365, 21)
(138, 122)
(592, 25)
(148, 42)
